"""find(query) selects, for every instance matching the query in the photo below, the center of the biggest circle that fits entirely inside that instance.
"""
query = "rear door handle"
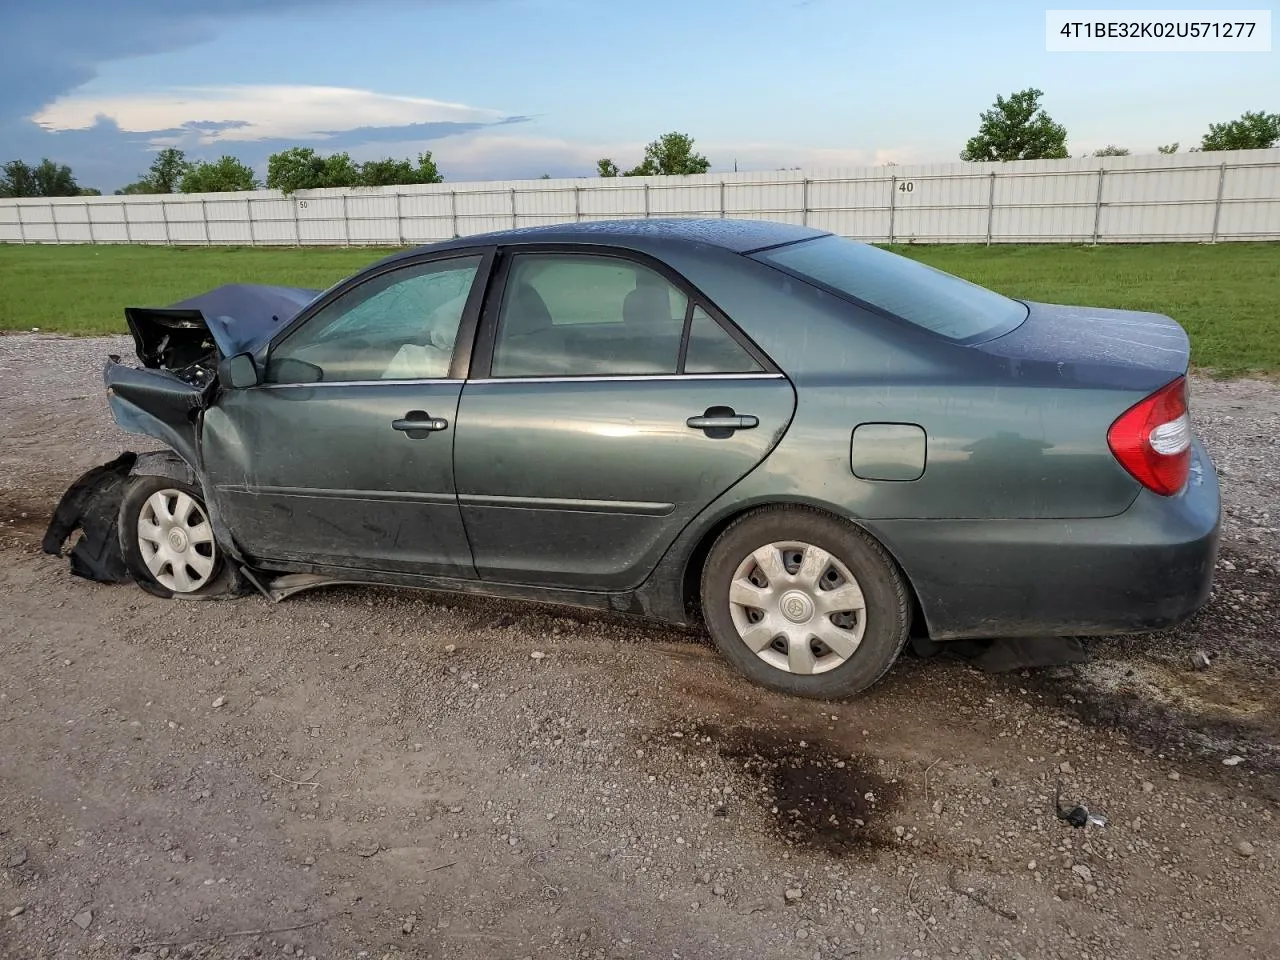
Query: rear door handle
(735, 422)
(419, 424)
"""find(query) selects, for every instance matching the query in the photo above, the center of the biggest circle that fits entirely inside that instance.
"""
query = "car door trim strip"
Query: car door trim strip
(630, 507)
(633, 378)
(319, 493)
(356, 383)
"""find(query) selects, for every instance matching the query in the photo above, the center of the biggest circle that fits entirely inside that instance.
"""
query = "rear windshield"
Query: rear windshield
(929, 298)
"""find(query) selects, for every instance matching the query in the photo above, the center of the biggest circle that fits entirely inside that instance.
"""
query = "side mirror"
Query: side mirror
(238, 372)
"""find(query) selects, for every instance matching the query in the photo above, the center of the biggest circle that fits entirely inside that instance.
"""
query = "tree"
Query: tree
(45, 179)
(164, 176)
(1017, 129)
(670, 155)
(1253, 131)
(224, 175)
(1168, 148)
(391, 172)
(301, 168)
(19, 180)
(90, 192)
(545, 176)
(1111, 150)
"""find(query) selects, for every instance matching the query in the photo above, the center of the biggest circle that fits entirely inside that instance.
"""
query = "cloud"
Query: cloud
(254, 113)
(55, 46)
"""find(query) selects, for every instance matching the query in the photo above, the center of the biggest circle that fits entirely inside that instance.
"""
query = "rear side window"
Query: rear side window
(922, 295)
(712, 350)
(567, 315)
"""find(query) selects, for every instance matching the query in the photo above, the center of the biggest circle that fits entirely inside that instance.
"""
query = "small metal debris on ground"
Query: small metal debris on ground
(1079, 816)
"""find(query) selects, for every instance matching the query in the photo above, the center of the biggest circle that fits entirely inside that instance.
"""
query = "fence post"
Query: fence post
(1217, 204)
(453, 212)
(804, 203)
(1097, 206)
(893, 202)
(88, 217)
(399, 221)
(515, 222)
(53, 218)
(577, 204)
(124, 218)
(248, 212)
(722, 205)
(646, 199)
(346, 224)
(164, 216)
(22, 227)
(204, 218)
(991, 205)
(297, 225)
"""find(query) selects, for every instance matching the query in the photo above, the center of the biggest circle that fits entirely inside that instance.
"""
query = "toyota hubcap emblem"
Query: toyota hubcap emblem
(796, 607)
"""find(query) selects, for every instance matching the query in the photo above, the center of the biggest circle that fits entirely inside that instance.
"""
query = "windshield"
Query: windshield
(929, 298)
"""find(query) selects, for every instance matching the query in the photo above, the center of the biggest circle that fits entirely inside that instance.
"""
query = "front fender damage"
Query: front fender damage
(157, 403)
(91, 505)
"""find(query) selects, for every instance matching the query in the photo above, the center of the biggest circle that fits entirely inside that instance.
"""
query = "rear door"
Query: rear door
(609, 404)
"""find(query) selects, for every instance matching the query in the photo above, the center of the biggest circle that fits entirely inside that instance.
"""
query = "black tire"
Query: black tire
(136, 495)
(887, 613)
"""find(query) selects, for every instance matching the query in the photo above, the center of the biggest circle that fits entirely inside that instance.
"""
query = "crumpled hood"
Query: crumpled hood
(236, 318)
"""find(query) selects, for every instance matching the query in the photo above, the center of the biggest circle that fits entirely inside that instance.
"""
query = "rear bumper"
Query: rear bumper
(1147, 568)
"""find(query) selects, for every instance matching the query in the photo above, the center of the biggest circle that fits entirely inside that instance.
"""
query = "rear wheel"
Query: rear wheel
(167, 540)
(804, 603)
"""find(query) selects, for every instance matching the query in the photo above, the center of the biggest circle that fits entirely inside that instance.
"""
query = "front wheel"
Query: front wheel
(167, 541)
(804, 603)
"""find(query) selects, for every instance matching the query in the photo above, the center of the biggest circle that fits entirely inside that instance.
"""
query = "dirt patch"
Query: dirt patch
(816, 797)
(24, 514)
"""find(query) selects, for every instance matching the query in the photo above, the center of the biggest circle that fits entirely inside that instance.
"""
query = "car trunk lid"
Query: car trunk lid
(1122, 349)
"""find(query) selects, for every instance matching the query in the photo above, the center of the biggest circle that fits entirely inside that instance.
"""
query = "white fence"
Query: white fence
(1201, 197)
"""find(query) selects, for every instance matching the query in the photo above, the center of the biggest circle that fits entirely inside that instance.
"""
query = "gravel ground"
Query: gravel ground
(383, 774)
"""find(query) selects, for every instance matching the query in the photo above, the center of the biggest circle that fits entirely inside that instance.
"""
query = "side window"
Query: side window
(567, 315)
(399, 326)
(713, 350)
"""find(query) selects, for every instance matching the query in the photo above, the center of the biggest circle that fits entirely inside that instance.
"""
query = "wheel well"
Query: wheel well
(691, 581)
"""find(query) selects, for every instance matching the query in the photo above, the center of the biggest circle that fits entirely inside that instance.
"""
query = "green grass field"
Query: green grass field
(1227, 296)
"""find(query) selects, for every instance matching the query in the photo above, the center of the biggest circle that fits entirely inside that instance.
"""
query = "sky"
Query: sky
(506, 89)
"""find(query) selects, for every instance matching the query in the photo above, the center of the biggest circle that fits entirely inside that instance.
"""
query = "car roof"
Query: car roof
(738, 236)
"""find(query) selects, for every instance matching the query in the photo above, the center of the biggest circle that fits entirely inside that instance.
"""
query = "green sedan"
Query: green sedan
(814, 447)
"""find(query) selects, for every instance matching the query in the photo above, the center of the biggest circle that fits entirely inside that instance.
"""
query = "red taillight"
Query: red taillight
(1152, 439)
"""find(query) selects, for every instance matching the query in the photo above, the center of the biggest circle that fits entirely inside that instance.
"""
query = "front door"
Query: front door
(616, 407)
(343, 455)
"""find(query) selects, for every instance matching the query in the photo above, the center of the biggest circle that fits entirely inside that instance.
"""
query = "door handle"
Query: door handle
(418, 424)
(734, 422)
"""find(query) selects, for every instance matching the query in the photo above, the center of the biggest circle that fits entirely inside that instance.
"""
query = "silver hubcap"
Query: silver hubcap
(176, 541)
(797, 607)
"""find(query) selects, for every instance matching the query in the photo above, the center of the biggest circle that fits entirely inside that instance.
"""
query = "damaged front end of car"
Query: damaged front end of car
(187, 351)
